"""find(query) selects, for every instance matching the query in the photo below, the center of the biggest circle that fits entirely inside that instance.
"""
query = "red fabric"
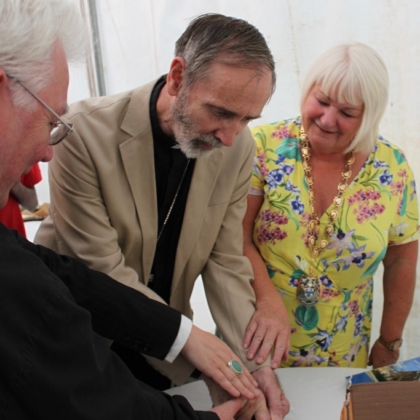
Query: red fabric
(10, 214)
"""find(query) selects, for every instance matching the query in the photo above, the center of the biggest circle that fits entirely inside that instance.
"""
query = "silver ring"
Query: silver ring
(235, 366)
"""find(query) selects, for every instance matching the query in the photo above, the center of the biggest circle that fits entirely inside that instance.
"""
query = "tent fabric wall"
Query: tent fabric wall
(138, 37)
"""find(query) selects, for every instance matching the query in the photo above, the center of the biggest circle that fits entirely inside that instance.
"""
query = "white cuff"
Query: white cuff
(182, 337)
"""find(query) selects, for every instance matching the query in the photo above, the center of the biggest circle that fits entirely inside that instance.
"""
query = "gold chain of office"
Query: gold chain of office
(317, 249)
(309, 287)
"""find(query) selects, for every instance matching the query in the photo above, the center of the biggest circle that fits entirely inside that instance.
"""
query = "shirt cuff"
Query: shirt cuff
(182, 337)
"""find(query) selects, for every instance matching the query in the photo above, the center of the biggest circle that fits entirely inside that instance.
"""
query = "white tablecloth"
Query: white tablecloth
(314, 393)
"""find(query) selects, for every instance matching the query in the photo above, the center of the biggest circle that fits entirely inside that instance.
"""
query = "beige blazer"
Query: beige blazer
(104, 212)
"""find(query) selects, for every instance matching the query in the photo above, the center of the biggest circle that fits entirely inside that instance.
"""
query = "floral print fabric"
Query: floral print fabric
(380, 209)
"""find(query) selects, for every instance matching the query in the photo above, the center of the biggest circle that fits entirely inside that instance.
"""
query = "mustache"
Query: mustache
(209, 139)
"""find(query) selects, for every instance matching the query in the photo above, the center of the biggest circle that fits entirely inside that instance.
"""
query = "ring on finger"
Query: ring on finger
(235, 366)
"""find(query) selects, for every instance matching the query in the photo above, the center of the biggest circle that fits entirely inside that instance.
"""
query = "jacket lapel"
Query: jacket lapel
(137, 155)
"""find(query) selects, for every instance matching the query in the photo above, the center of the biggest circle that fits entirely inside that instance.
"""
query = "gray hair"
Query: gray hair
(353, 73)
(216, 38)
(29, 30)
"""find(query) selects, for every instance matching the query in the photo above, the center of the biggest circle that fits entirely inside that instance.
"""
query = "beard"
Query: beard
(191, 142)
(199, 145)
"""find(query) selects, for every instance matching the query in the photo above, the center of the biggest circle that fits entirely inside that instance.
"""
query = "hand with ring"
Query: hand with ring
(235, 366)
(217, 361)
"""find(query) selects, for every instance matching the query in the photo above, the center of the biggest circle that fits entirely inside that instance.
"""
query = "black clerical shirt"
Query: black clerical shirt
(170, 165)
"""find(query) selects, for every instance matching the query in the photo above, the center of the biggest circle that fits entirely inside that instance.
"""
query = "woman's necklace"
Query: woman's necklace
(309, 286)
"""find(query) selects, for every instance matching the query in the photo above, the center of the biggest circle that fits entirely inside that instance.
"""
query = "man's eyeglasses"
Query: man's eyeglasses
(60, 130)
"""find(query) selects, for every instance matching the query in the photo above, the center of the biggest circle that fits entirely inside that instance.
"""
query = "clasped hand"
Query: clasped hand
(270, 402)
(268, 330)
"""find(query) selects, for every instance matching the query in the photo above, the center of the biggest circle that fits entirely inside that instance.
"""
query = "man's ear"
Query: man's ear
(4, 80)
(175, 76)
(3, 75)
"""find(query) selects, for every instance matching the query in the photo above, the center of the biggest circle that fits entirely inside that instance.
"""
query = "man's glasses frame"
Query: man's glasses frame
(61, 129)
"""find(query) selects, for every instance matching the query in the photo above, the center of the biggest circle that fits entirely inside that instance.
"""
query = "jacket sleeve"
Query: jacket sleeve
(53, 364)
(228, 274)
(118, 312)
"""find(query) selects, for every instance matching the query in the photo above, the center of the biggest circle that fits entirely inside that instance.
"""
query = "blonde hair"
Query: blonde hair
(356, 74)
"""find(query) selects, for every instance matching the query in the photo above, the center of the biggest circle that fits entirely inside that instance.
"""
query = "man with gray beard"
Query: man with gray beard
(145, 191)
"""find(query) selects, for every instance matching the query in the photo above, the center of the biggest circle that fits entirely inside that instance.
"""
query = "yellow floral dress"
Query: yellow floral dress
(380, 209)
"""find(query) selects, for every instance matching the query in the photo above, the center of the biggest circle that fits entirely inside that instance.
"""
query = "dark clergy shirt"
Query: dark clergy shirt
(170, 165)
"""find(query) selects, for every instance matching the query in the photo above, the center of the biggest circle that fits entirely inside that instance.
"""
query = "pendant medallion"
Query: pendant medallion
(309, 290)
